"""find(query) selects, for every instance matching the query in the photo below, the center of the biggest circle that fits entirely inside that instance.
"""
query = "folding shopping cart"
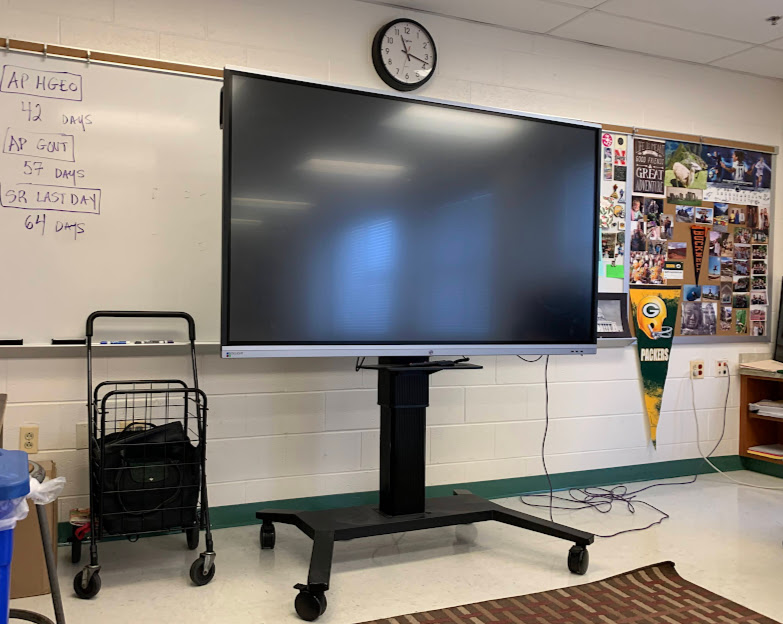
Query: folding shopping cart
(147, 455)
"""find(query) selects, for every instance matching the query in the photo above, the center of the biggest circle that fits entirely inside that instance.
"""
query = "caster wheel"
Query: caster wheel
(92, 589)
(309, 605)
(197, 572)
(193, 537)
(267, 536)
(578, 559)
(76, 550)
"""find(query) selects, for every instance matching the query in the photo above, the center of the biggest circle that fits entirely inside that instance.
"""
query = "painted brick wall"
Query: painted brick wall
(290, 428)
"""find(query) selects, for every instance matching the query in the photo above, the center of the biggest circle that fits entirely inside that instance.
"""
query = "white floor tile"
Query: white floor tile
(721, 536)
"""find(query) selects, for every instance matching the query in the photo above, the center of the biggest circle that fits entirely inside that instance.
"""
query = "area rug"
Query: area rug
(654, 594)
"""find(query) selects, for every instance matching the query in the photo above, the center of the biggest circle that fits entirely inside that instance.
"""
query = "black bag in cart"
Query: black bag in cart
(151, 479)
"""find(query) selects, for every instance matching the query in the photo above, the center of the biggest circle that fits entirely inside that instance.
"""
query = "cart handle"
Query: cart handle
(137, 314)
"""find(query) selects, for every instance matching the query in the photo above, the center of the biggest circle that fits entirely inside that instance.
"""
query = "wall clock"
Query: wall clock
(404, 55)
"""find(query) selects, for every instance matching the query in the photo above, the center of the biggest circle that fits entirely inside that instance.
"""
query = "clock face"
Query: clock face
(404, 54)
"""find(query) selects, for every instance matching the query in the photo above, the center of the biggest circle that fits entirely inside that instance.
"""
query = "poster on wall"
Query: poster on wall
(685, 167)
(614, 157)
(649, 159)
(654, 313)
(737, 176)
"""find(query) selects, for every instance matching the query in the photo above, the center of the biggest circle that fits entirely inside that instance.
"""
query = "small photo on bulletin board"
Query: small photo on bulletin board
(613, 316)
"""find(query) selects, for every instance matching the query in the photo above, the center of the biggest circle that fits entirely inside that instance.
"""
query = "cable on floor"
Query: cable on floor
(603, 499)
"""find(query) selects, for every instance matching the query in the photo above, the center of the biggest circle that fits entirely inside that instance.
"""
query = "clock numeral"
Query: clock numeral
(418, 32)
(407, 76)
(387, 50)
(396, 31)
(407, 30)
(397, 69)
(389, 39)
(426, 56)
(390, 61)
(424, 45)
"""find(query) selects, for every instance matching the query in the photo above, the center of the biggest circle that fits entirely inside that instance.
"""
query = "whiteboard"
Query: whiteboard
(110, 187)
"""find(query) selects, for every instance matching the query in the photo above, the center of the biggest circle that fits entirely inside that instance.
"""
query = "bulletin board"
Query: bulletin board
(698, 216)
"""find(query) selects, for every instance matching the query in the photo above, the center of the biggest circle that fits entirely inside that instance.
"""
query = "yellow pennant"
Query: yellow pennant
(654, 312)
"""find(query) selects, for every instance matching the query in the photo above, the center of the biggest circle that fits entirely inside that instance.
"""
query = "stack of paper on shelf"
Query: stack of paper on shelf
(770, 451)
(768, 366)
(767, 407)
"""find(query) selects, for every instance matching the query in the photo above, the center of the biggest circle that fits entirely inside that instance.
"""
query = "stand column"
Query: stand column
(403, 396)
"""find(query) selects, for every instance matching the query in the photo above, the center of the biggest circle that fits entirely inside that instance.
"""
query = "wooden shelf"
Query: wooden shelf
(755, 429)
(769, 418)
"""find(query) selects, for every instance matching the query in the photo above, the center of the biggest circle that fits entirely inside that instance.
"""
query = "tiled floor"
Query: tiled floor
(726, 538)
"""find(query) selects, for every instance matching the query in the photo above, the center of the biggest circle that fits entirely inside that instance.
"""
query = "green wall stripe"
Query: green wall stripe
(244, 514)
(764, 467)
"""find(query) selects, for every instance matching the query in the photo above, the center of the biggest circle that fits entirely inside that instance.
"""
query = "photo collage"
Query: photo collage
(716, 250)
(614, 154)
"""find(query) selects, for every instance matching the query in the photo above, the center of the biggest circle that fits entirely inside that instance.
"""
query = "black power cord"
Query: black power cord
(603, 499)
(546, 433)
(531, 361)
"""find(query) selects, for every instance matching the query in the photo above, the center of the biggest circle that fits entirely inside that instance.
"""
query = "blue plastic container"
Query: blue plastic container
(14, 487)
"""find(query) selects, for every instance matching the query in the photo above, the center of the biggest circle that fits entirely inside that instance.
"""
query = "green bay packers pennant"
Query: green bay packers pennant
(654, 312)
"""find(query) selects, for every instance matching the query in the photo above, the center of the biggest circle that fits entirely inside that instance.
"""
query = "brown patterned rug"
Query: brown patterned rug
(654, 594)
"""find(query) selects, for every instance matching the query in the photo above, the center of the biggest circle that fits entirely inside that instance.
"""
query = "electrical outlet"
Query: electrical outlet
(721, 368)
(697, 369)
(28, 439)
(82, 429)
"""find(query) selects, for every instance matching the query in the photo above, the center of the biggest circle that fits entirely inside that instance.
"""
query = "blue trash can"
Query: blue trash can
(14, 488)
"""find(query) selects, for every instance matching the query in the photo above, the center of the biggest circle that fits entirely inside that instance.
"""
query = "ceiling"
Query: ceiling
(732, 34)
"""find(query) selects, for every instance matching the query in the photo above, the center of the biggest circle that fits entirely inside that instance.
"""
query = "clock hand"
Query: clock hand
(407, 53)
(418, 59)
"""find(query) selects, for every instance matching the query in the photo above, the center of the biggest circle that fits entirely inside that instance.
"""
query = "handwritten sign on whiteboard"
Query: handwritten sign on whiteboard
(50, 197)
(50, 145)
(48, 84)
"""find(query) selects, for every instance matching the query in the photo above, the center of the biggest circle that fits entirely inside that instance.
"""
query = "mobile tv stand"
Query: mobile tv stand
(403, 394)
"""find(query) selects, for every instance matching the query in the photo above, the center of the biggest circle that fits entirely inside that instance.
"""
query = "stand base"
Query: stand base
(334, 525)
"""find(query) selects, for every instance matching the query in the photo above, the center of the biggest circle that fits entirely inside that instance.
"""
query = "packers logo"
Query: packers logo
(651, 309)
(650, 317)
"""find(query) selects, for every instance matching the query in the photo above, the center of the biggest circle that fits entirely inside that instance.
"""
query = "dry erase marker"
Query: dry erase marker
(158, 342)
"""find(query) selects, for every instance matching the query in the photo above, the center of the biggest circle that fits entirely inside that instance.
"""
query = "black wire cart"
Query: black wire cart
(147, 458)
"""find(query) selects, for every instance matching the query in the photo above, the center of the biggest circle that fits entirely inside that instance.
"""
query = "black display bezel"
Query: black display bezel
(226, 125)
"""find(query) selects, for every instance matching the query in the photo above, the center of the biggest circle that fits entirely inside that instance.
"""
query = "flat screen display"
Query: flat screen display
(360, 220)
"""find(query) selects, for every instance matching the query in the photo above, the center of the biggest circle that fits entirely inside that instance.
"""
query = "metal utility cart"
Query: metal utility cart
(147, 455)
